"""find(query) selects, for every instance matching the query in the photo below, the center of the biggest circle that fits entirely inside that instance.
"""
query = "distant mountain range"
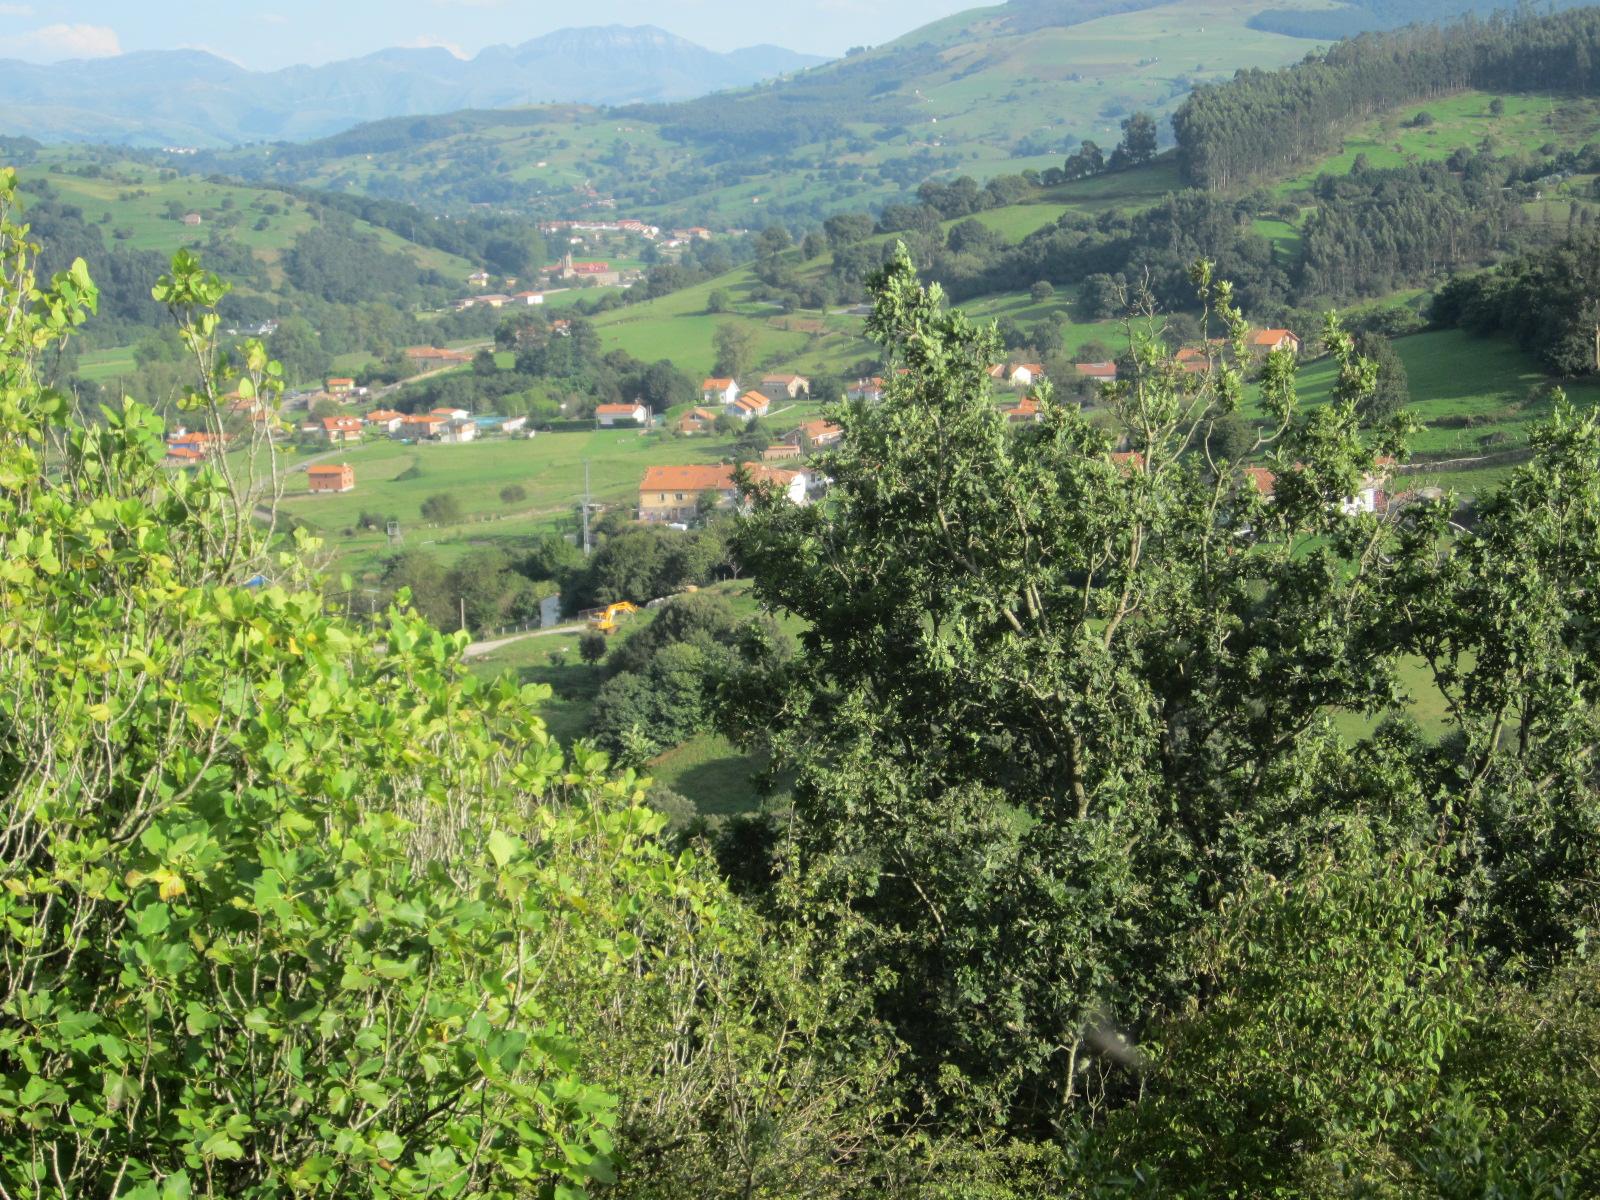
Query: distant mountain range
(191, 98)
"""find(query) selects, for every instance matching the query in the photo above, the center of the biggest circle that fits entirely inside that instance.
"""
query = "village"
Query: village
(671, 493)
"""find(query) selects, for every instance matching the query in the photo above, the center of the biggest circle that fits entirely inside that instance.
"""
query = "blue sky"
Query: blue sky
(264, 34)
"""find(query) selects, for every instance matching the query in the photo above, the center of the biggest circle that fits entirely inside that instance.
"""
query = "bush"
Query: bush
(442, 508)
(513, 493)
(592, 646)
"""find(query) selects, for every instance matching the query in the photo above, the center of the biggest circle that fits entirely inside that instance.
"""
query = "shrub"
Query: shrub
(441, 507)
(513, 493)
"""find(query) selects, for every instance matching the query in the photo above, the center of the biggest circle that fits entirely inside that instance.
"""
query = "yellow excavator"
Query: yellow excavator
(605, 619)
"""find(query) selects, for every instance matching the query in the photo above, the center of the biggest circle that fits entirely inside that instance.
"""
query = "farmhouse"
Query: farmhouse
(785, 387)
(436, 354)
(719, 391)
(479, 279)
(750, 406)
(780, 451)
(422, 426)
(1265, 341)
(609, 414)
(673, 493)
(457, 429)
(696, 420)
(1024, 410)
(450, 414)
(199, 440)
(340, 478)
(341, 387)
(338, 430)
(870, 390)
(181, 455)
(386, 419)
(1104, 372)
(813, 435)
(1025, 375)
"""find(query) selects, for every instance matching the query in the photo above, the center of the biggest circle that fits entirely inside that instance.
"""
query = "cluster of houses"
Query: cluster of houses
(501, 300)
(190, 448)
(1261, 342)
(720, 395)
(446, 425)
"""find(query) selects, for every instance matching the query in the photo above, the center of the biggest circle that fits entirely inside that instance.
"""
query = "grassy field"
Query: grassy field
(550, 468)
(1528, 123)
(131, 202)
(1475, 394)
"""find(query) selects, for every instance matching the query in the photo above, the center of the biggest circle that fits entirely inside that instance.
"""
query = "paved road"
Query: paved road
(478, 649)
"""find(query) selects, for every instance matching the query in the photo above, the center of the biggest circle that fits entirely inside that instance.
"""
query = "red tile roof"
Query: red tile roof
(1265, 481)
(616, 410)
(694, 478)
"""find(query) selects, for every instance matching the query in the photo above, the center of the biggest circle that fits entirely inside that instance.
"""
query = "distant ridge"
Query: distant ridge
(192, 98)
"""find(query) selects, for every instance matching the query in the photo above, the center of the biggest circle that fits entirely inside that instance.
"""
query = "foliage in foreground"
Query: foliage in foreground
(293, 907)
(1073, 794)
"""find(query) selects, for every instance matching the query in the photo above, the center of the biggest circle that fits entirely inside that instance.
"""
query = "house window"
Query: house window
(680, 495)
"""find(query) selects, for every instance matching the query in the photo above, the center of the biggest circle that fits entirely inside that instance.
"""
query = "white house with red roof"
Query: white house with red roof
(1265, 341)
(750, 406)
(722, 392)
(609, 414)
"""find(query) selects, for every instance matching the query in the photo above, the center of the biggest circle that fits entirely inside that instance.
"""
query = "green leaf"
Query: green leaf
(502, 847)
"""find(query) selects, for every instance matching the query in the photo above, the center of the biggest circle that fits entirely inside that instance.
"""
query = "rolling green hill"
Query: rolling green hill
(986, 92)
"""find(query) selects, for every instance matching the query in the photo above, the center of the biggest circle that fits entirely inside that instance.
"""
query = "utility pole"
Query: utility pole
(586, 508)
(462, 600)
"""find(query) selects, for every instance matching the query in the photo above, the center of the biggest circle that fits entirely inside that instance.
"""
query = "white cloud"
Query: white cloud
(428, 41)
(16, 10)
(51, 43)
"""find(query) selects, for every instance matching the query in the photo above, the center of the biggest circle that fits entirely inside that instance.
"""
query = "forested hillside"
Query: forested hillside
(1261, 124)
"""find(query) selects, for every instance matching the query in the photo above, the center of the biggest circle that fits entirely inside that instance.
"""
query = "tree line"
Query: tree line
(1264, 123)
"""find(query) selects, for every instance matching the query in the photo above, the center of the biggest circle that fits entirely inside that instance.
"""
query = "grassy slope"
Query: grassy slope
(1454, 375)
(1529, 122)
(678, 327)
(135, 198)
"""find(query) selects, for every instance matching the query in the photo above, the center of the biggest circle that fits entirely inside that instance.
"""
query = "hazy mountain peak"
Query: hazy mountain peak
(129, 98)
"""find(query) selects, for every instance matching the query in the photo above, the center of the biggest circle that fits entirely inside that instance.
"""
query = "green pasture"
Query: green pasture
(1528, 123)
(1475, 394)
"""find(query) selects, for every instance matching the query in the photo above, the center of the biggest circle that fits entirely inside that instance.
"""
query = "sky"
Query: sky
(267, 34)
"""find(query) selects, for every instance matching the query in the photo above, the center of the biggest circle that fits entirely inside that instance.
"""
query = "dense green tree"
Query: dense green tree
(1059, 712)
(1138, 144)
(735, 349)
(1391, 389)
